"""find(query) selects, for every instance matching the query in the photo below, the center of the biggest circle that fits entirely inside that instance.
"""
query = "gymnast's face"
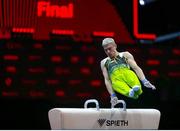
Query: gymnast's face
(110, 50)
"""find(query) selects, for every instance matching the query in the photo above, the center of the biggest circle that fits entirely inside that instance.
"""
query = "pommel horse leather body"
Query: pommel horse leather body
(100, 119)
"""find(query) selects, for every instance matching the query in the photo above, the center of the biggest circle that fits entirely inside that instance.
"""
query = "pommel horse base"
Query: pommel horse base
(100, 119)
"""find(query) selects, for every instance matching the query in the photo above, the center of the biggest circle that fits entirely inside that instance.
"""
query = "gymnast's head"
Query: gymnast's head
(110, 47)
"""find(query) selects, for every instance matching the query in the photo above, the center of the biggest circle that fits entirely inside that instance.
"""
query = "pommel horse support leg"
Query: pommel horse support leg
(96, 118)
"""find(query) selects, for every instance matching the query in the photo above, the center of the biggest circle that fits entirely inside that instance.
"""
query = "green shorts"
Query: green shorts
(123, 79)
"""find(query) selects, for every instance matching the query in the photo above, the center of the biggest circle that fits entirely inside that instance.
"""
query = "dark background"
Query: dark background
(75, 75)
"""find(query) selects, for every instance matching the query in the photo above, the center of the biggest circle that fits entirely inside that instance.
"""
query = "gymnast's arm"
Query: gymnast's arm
(106, 78)
(130, 60)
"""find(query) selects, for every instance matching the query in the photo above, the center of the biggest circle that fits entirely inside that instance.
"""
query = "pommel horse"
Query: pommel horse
(101, 119)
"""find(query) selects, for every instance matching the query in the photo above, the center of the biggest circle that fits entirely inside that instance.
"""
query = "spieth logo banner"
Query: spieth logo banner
(107, 122)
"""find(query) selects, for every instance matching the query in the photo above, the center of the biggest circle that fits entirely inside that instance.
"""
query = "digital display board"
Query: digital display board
(81, 19)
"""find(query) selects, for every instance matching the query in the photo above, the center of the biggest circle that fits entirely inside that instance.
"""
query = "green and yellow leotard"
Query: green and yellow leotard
(121, 76)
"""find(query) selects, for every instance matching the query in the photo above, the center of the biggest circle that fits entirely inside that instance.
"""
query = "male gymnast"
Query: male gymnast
(121, 73)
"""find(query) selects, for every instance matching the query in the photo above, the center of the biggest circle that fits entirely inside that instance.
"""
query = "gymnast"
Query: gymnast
(121, 73)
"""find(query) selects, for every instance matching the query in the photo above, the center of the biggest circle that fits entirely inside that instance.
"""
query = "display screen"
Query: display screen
(81, 19)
